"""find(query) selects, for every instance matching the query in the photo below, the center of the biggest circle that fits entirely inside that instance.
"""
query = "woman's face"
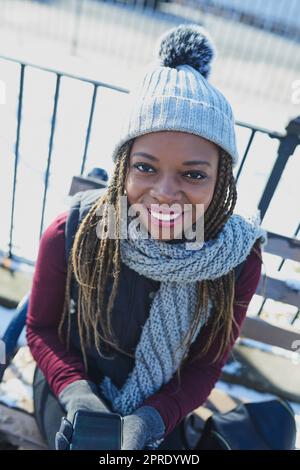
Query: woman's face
(171, 169)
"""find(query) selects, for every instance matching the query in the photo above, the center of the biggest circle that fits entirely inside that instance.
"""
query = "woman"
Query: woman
(164, 298)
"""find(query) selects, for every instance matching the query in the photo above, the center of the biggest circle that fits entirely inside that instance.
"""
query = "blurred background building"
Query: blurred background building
(258, 42)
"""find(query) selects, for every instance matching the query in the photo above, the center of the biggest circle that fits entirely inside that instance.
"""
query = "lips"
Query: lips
(163, 218)
(162, 210)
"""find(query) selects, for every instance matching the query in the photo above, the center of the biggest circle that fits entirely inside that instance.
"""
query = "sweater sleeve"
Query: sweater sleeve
(198, 378)
(60, 366)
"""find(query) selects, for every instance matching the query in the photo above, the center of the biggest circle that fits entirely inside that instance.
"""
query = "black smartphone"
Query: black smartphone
(96, 431)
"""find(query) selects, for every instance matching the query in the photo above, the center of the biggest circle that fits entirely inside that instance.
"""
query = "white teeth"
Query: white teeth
(161, 216)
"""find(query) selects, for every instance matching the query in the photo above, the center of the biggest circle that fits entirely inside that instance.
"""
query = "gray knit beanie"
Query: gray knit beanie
(174, 93)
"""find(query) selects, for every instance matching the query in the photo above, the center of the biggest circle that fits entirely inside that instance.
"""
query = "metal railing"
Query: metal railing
(58, 74)
(287, 143)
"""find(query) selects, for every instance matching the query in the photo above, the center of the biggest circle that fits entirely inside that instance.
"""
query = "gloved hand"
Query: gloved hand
(63, 437)
(144, 428)
(79, 395)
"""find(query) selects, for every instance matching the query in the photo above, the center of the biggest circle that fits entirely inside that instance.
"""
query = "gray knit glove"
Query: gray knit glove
(81, 395)
(144, 427)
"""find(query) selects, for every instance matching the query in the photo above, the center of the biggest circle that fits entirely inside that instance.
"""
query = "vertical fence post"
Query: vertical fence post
(17, 149)
(287, 146)
(53, 127)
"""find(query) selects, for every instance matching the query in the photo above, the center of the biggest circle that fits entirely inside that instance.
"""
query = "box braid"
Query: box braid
(93, 259)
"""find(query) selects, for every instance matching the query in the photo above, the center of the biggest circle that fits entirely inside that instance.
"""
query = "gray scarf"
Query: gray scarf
(173, 306)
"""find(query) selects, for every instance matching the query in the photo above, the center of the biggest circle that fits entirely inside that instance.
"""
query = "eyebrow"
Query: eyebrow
(151, 157)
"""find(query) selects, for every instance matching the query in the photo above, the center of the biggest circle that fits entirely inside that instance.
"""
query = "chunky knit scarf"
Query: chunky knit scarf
(171, 312)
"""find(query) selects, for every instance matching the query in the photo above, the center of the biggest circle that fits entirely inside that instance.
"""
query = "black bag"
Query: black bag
(267, 425)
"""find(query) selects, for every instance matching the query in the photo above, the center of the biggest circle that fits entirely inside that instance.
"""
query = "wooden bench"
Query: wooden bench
(278, 290)
(257, 365)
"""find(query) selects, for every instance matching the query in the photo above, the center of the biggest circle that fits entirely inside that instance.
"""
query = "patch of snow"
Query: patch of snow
(13, 390)
(294, 356)
(251, 343)
(232, 368)
(293, 284)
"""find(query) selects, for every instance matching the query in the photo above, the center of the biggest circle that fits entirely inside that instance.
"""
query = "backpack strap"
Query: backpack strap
(80, 204)
(238, 269)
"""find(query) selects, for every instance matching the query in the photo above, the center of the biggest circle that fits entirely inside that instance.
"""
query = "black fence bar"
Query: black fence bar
(298, 312)
(261, 130)
(278, 269)
(19, 117)
(288, 142)
(294, 235)
(59, 74)
(253, 132)
(287, 146)
(88, 132)
(53, 123)
(65, 74)
(295, 317)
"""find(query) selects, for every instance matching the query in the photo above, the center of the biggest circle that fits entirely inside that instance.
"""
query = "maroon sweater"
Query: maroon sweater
(61, 367)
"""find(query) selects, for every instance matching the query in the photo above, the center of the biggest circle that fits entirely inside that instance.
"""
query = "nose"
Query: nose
(165, 190)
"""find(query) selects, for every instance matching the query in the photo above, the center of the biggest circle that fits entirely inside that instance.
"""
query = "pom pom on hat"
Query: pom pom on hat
(186, 44)
(174, 94)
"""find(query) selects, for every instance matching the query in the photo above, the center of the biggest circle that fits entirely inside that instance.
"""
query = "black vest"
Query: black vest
(131, 307)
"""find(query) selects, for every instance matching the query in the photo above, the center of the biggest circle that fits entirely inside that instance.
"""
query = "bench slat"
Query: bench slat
(282, 246)
(276, 289)
(260, 330)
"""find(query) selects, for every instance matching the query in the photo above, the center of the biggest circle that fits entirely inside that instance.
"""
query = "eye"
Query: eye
(143, 165)
(145, 168)
(196, 175)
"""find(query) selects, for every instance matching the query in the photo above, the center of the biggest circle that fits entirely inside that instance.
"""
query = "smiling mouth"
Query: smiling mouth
(164, 219)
